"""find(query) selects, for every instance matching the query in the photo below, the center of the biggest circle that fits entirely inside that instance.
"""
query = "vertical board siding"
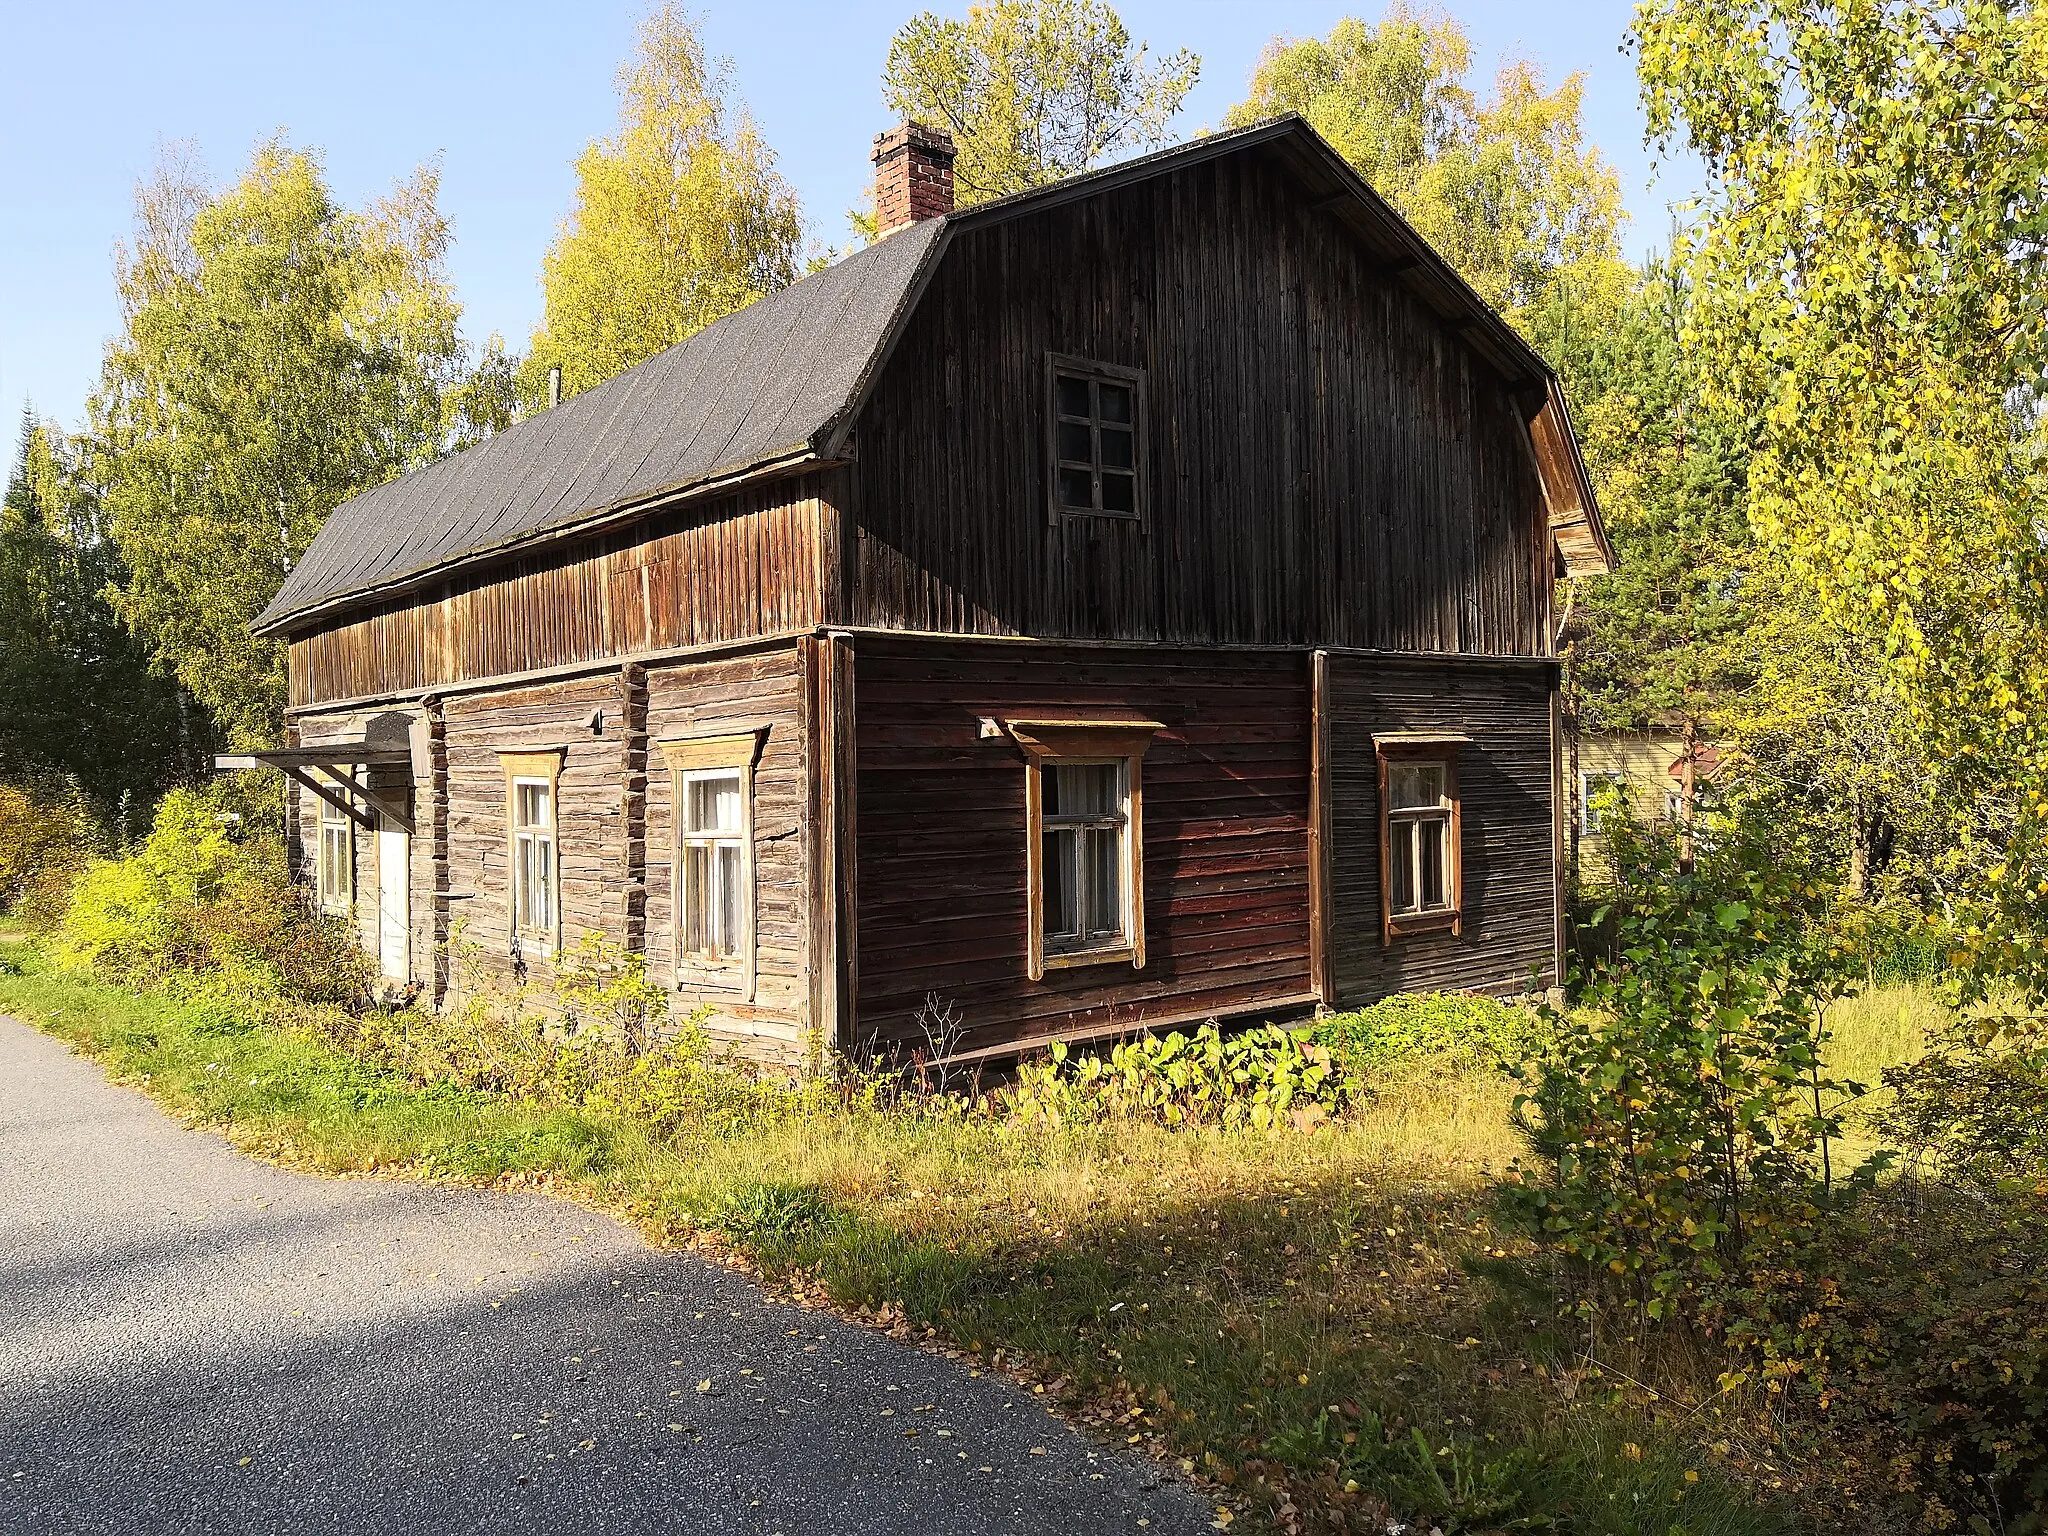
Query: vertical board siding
(733, 567)
(1506, 788)
(940, 840)
(1326, 462)
(725, 698)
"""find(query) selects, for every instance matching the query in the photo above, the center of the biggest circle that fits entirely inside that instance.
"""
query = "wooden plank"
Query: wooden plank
(1507, 806)
(944, 851)
(1319, 829)
(844, 767)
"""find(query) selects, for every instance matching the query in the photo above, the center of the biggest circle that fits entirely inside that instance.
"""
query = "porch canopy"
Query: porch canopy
(338, 782)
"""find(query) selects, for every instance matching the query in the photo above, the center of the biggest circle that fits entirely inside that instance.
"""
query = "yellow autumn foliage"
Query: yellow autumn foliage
(680, 218)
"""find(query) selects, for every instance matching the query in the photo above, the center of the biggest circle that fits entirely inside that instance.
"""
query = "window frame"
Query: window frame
(1115, 939)
(1056, 364)
(344, 901)
(1080, 743)
(543, 768)
(1589, 780)
(707, 757)
(1419, 749)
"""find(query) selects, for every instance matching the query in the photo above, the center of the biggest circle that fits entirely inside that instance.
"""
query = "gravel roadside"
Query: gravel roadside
(191, 1340)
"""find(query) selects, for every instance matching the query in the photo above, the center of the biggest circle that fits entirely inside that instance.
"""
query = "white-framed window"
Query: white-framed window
(1593, 786)
(535, 904)
(1084, 830)
(716, 896)
(337, 861)
(712, 784)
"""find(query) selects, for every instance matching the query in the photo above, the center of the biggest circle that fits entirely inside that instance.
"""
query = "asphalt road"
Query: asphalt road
(191, 1340)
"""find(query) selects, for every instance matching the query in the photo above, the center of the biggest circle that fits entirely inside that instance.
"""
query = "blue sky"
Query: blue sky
(508, 93)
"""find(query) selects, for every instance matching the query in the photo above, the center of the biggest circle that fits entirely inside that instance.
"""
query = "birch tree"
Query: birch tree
(680, 218)
(1033, 90)
(278, 353)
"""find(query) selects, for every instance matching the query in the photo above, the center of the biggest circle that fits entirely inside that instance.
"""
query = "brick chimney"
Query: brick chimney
(913, 176)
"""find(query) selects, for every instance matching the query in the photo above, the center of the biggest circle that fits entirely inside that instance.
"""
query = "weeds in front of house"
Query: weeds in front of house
(1239, 1299)
(1281, 1257)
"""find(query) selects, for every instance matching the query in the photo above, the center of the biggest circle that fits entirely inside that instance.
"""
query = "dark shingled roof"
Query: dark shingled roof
(775, 383)
(764, 383)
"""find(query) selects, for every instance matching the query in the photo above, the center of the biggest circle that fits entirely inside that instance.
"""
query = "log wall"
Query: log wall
(762, 691)
(1505, 781)
(615, 826)
(589, 826)
(940, 838)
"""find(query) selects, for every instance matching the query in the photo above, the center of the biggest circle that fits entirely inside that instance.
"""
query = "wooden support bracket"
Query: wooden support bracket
(379, 803)
(326, 792)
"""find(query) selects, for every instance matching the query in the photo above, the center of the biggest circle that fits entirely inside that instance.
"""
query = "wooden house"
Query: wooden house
(1123, 604)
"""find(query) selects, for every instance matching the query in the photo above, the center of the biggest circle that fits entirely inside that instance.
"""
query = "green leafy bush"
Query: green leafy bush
(1683, 1123)
(1439, 1029)
(193, 905)
(1264, 1078)
(47, 837)
(1680, 1114)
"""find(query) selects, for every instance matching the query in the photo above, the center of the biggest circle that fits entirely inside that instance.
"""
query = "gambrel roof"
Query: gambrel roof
(776, 385)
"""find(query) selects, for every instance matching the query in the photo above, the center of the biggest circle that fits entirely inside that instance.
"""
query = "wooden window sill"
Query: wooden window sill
(1122, 954)
(711, 978)
(1424, 922)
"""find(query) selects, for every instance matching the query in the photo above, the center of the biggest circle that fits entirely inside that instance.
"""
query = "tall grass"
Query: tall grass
(1332, 1324)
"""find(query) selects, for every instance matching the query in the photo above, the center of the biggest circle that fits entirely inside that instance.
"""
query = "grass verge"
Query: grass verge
(1331, 1328)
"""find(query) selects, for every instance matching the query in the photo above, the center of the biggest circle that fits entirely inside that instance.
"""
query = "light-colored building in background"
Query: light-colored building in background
(1654, 768)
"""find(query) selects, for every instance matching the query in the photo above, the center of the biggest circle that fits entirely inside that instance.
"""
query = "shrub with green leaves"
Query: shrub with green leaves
(47, 836)
(1264, 1078)
(196, 905)
(1433, 1029)
(1680, 1114)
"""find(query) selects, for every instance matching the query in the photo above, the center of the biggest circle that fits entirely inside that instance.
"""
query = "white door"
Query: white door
(394, 900)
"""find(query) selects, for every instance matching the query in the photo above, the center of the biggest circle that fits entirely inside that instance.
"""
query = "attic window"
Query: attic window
(1093, 413)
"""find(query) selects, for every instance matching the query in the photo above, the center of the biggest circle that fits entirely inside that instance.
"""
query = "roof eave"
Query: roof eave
(800, 456)
(1576, 526)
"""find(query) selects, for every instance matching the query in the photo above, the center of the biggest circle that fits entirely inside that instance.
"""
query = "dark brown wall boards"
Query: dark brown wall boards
(1323, 461)
(941, 851)
(1505, 782)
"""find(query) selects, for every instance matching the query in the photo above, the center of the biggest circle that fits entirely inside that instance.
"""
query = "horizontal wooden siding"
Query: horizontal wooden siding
(941, 838)
(732, 567)
(1505, 780)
